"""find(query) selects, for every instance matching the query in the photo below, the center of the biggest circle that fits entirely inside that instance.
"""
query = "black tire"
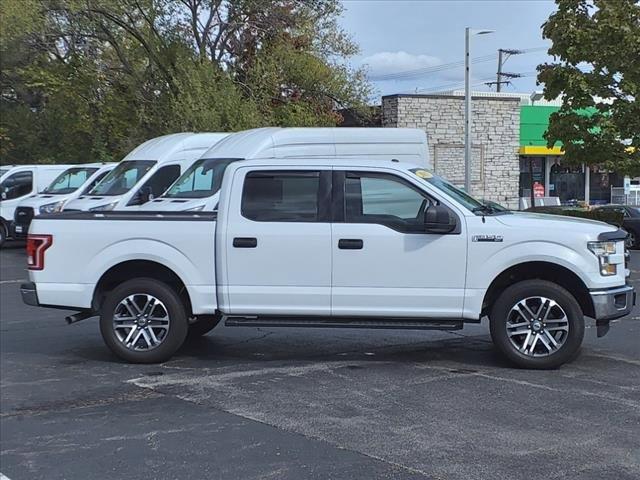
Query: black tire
(4, 233)
(203, 325)
(172, 339)
(632, 240)
(500, 315)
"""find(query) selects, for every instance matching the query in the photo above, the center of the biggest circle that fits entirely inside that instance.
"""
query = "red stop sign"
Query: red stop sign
(538, 190)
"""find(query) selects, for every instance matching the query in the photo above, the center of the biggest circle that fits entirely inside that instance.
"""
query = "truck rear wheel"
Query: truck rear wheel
(143, 321)
(537, 324)
(203, 325)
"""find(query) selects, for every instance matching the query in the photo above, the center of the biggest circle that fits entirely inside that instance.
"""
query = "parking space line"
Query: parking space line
(1, 283)
(3, 476)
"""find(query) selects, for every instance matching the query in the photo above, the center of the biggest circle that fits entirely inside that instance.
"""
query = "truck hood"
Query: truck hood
(87, 202)
(43, 199)
(542, 221)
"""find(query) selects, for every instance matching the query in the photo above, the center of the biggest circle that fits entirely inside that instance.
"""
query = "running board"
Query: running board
(401, 323)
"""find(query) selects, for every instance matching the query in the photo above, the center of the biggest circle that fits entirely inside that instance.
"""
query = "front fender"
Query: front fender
(585, 267)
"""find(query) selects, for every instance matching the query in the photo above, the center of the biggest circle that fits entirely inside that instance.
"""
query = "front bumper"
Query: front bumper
(20, 230)
(21, 221)
(29, 294)
(613, 303)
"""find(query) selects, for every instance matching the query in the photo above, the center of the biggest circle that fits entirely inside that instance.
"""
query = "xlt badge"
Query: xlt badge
(487, 238)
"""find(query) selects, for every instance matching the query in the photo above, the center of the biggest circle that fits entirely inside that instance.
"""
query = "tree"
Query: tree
(597, 73)
(87, 80)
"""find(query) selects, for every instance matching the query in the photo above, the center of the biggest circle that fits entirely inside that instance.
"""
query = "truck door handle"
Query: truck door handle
(350, 244)
(245, 242)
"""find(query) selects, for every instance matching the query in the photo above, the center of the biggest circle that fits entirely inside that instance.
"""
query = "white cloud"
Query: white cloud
(383, 63)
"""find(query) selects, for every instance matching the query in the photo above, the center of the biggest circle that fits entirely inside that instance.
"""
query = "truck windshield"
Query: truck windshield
(202, 179)
(462, 197)
(69, 181)
(122, 178)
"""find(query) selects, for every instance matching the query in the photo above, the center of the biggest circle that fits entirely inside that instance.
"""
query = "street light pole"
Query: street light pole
(467, 104)
(467, 112)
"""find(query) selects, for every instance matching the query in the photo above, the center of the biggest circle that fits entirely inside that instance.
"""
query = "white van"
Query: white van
(146, 172)
(68, 186)
(197, 188)
(5, 168)
(19, 182)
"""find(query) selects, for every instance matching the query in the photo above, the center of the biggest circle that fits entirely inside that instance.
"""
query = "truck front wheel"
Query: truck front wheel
(537, 324)
(4, 233)
(143, 321)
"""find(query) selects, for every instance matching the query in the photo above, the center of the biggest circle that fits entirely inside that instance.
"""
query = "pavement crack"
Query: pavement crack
(64, 405)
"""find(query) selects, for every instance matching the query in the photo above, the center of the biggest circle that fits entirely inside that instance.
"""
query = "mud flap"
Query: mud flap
(602, 327)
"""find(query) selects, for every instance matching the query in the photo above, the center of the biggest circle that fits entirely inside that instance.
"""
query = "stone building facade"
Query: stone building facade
(495, 139)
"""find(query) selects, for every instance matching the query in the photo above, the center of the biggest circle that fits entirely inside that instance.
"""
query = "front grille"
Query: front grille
(71, 210)
(23, 215)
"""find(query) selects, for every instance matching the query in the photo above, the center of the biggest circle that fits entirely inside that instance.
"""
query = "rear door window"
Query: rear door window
(281, 196)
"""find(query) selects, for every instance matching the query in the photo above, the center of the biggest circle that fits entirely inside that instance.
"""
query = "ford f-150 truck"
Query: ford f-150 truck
(332, 243)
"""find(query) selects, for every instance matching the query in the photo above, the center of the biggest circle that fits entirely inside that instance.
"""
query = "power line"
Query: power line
(450, 86)
(445, 66)
(427, 70)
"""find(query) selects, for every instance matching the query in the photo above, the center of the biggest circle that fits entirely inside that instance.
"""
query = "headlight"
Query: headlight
(104, 208)
(195, 209)
(605, 251)
(51, 207)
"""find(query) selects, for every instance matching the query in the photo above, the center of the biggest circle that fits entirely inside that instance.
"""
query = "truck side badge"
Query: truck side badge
(487, 238)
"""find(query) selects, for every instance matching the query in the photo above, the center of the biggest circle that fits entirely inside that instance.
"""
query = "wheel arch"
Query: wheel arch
(131, 269)
(542, 271)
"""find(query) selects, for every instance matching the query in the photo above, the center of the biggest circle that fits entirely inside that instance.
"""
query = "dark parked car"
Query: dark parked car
(630, 221)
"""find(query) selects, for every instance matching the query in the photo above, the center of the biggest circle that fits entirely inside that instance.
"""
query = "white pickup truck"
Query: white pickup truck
(332, 243)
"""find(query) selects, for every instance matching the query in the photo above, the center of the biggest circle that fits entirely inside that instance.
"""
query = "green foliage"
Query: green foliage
(597, 47)
(88, 80)
(603, 215)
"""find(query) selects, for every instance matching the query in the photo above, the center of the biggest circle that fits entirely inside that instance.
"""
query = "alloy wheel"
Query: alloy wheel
(537, 326)
(141, 322)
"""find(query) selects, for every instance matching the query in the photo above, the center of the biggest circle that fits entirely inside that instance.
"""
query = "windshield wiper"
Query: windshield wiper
(484, 208)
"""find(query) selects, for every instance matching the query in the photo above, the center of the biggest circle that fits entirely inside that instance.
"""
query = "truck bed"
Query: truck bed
(86, 245)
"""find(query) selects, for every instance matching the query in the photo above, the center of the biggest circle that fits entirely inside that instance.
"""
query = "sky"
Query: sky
(398, 36)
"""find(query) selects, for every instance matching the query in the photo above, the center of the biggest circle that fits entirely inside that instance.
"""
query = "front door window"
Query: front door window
(17, 185)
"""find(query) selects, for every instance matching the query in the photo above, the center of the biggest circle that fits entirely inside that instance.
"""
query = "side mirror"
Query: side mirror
(438, 219)
(144, 195)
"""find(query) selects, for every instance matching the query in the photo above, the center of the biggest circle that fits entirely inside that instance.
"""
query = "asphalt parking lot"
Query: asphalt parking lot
(245, 403)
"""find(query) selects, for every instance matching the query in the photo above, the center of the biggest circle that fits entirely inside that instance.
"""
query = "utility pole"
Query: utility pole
(503, 56)
(499, 79)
